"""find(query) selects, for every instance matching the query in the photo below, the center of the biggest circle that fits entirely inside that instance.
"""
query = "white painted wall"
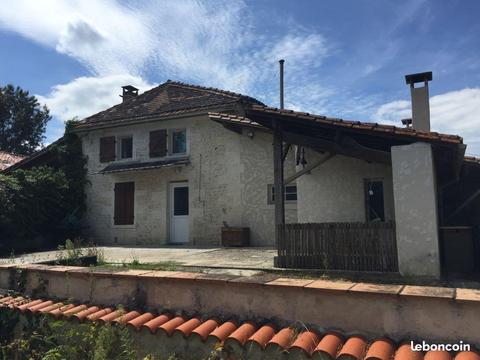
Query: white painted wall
(335, 191)
(228, 177)
(416, 210)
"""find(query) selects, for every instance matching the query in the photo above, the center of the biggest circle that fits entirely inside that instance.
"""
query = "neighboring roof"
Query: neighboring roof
(303, 341)
(373, 128)
(167, 98)
(38, 158)
(121, 167)
(9, 159)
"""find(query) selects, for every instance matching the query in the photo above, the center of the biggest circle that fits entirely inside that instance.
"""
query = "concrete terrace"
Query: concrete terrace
(230, 258)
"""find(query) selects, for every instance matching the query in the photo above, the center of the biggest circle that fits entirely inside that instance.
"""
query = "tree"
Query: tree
(22, 121)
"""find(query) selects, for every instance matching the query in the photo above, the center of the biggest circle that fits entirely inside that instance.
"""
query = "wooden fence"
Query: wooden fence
(338, 246)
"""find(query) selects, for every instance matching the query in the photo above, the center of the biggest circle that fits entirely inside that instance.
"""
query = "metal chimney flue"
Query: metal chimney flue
(281, 62)
(129, 92)
(420, 100)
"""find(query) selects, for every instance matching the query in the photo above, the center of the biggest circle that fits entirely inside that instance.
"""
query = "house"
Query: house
(162, 172)
(179, 162)
(9, 159)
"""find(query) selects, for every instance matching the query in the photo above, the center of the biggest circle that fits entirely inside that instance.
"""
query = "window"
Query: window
(375, 207)
(178, 142)
(126, 147)
(290, 193)
(107, 149)
(124, 206)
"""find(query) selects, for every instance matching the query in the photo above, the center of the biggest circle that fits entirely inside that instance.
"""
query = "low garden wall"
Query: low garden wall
(398, 311)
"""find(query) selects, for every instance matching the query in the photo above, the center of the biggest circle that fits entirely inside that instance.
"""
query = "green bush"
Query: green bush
(42, 206)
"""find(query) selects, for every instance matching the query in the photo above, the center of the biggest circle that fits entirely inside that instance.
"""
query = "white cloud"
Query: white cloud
(86, 96)
(455, 112)
(212, 43)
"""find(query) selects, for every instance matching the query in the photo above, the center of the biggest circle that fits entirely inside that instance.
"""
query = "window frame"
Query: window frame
(119, 140)
(170, 142)
(270, 194)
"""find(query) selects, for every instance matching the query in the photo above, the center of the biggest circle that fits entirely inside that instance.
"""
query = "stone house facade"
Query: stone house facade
(222, 176)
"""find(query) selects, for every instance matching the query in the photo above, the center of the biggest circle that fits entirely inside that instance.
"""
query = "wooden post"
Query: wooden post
(278, 177)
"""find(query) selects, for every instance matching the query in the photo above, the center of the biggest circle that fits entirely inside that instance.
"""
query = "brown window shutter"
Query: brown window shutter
(124, 208)
(158, 143)
(107, 148)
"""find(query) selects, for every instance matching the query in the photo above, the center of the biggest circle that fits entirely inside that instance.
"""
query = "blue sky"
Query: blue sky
(343, 58)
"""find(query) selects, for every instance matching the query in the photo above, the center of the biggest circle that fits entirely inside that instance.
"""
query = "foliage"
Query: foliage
(44, 205)
(22, 121)
(42, 338)
(73, 253)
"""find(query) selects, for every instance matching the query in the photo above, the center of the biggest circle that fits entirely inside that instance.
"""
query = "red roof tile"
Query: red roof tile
(8, 159)
(329, 345)
(167, 99)
(367, 127)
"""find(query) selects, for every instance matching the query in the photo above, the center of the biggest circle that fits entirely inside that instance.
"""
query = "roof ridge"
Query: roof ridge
(213, 89)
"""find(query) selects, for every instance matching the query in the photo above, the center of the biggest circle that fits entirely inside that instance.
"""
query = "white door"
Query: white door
(179, 213)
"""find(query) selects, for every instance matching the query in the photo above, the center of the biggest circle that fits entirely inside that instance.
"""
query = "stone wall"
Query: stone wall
(335, 191)
(228, 177)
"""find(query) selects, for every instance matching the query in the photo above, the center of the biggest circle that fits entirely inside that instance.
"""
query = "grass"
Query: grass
(137, 265)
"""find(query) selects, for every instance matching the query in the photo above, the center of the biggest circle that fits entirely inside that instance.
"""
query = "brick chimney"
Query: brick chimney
(129, 92)
(420, 100)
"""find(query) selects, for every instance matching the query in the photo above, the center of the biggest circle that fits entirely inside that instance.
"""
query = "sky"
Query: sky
(343, 58)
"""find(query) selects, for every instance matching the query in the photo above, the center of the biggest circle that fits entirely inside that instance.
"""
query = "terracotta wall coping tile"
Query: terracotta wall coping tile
(377, 288)
(206, 328)
(140, 320)
(467, 295)
(99, 314)
(267, 280)
(468, 355)
(283, 338)
(172, 324)
(153, 324)
(405, 352)
(82, 315)
(306, 341)
(156, 274)
(51, 307)
(288, 282)
(188, 326)
(224, 330)
(330, 344)
(437, 355)
(263, 335)
(329, 285)
(428, 291)
(132, 272)
(243, 333)
(380, 349)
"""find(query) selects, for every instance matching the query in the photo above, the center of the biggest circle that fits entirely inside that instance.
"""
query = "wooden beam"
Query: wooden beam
(309, 168)
(285, 153)
(278, 177)
(348, 147)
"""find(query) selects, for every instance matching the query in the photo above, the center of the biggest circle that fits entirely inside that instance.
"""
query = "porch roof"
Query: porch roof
(362, 140)
(137, 166)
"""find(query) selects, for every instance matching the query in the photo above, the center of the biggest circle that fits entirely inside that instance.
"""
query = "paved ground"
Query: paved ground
(233, 258)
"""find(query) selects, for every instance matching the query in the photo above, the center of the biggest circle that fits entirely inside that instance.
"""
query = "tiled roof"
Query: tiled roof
(8, 159)
(267, 336)
(167, 98)
(356, 125)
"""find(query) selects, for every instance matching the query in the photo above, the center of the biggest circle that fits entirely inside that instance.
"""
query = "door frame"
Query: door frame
(171, 186)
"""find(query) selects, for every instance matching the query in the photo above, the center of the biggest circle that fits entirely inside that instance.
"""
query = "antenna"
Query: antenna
(281, 84)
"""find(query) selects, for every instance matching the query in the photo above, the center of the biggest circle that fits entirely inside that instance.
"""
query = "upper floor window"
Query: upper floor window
(126, 147)
(178, 142)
